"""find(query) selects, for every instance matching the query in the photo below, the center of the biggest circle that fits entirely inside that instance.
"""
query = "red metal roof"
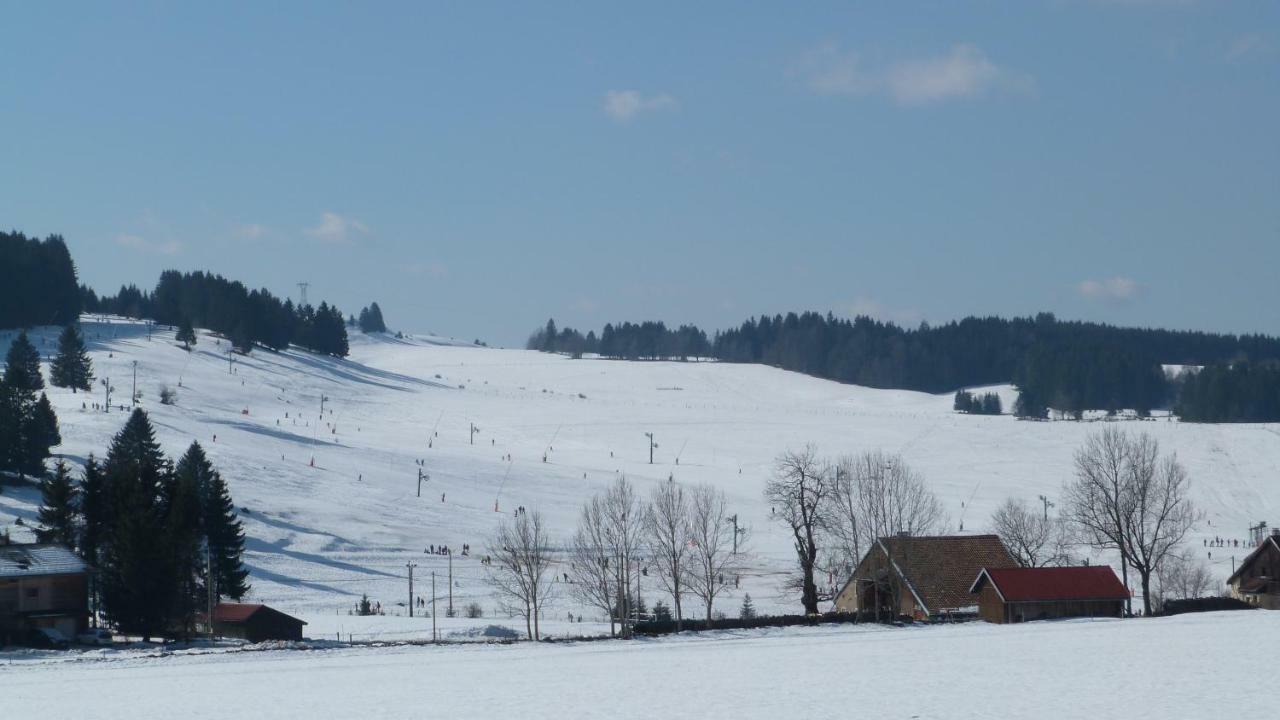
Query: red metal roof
(235, 612)
(1092, 582)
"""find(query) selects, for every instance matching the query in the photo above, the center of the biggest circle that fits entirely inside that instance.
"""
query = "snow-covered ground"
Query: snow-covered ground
(1190, 666)
(321, 535)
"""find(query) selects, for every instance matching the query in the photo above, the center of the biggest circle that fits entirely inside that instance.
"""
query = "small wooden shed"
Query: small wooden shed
(254, 622)
(1007, 595)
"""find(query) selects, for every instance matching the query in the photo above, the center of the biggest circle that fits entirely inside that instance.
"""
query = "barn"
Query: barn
(1008, 595)
(253, 622)
(921, 577)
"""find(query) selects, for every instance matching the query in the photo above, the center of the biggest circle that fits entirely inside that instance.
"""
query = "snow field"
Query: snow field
(321, 535)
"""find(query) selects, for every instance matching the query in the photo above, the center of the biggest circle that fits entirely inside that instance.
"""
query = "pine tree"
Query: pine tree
(183, 532)
(14, 411)
(748, 609)
(22, 366)
(71, 367)
(43, 434)
(94, 511)
(219, 523)
(186, 334)
(136, 564)
(58, 511)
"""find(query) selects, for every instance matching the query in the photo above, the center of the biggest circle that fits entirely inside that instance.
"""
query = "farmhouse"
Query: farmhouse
(1257, 580)
(1007, 595)
(253, 622)
(924, 578)
(42, 586)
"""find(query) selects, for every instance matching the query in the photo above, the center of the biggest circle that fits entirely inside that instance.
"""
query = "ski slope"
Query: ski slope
(330, 504)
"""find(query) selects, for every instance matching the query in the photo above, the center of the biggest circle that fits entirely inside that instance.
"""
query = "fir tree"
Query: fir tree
(219, 523)
(44, 432)
(137, 578)
(186, 334)
(183, 534)
(71, 367)
(58, 508)
(748, 609)
(94, 511)
(22, 366)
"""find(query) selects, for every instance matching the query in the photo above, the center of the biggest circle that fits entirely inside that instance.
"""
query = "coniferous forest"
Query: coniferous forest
(38, 283)
(1067, 366)
(246, 317)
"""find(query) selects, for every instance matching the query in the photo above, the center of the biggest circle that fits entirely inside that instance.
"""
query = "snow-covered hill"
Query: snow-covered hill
(330, 505)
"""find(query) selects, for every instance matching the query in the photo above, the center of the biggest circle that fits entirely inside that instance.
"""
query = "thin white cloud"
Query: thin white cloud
(335, 228)
(963, 72)
(623, 105)
(1114, 290)
(427, 269)
(1246, 47)
(141, 244)
(250, 231)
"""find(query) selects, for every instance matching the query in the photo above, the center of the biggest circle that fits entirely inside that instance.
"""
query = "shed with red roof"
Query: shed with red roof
(253, 622)
(1008, 595)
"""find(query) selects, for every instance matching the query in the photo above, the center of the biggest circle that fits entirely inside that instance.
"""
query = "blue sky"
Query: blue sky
(478, 167)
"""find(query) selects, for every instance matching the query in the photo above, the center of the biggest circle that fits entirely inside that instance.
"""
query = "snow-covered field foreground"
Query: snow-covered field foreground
(1191, 666)
(330, 504)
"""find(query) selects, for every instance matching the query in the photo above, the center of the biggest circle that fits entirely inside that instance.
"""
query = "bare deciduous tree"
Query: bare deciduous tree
(624, 538)
(1126, 498)
(1183, 576)
(1162, 515)
(520, 569)
(1033, 538)
(589, 555)
(798, 493)
(1097, 500)
(711, 556)
(667, 527)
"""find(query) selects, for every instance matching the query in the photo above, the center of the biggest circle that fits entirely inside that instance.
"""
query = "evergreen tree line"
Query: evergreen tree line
(1069, 366)
(1239, 392)
(246, 317)
(626, 341)
(984, 404)
(156, 534)
(28, 424)
(38, 283)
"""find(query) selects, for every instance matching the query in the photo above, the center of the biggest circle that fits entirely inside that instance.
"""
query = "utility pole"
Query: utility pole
(450, 582)
(734, 518)
(474, 430)
(134, 397)
(323, 399)
(208, 573)
(652, 445)
(434, 636)
(1045, 500)
(421, 476)
(411, 565)
(106, 392)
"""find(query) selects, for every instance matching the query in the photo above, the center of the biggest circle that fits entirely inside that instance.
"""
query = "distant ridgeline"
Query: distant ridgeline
(245, 316)
(1067, 366)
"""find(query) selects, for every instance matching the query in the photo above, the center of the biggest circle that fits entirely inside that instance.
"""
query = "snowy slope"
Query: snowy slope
(321, 535)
